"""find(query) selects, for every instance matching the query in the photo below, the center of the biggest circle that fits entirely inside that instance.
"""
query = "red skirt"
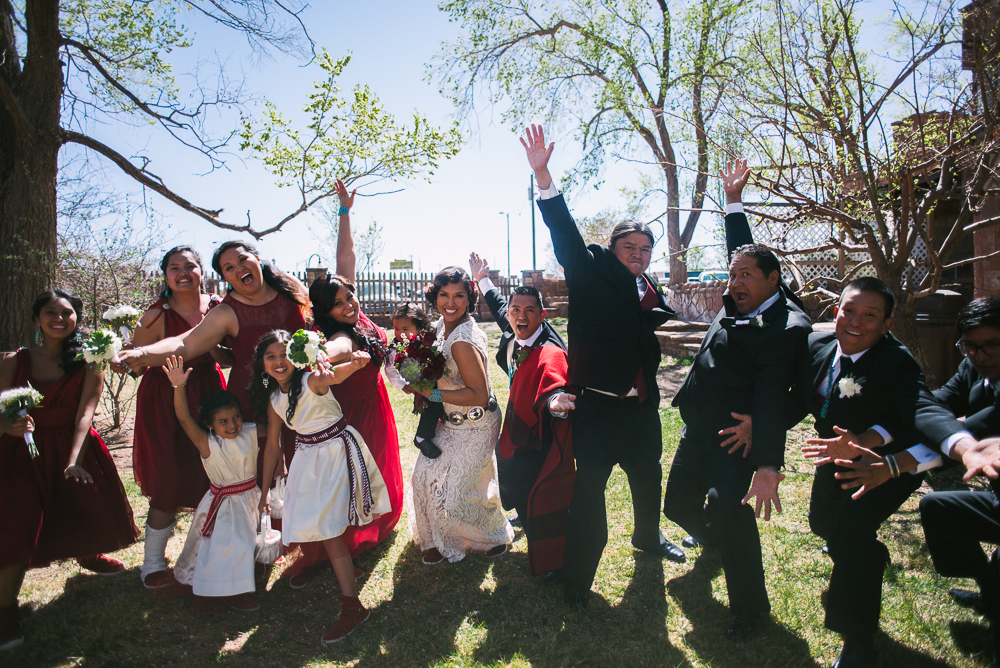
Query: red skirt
(43, 516)
(166, 465)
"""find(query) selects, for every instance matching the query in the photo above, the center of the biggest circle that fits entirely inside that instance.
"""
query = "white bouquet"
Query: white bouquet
(16, 403)
(123, 319)
(304, 348)
(100, 347)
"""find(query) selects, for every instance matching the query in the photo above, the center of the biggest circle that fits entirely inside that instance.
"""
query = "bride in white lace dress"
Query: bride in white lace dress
(454, 500)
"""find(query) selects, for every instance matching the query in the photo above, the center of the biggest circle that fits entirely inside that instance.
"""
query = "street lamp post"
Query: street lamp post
(503, 213)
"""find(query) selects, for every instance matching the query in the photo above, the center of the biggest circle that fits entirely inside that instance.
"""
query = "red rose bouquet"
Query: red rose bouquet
(420, 363)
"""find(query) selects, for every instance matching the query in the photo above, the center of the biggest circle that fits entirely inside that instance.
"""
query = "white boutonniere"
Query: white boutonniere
(850, 387)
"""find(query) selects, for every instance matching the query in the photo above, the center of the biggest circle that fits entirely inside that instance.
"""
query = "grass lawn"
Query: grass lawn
(489, 612)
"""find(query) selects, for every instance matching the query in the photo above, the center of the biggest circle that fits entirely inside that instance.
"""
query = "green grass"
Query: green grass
(483, 612)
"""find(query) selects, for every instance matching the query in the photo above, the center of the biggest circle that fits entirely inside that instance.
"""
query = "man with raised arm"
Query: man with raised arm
(535, 455)
(746, 365)
(614, 310)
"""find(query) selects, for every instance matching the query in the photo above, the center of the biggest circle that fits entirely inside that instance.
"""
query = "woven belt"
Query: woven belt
(356, 469)
(474, 415)
(218, 494)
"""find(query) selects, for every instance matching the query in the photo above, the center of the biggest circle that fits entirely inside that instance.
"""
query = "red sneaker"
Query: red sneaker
(10, 628)
(159, 580)
(101, 565)
(243, 603)
(350, 619)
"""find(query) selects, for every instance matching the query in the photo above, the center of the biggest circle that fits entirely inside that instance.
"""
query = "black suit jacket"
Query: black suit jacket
(744, 369)
(610, 335)
(498, 308)
(893, 395)
(966, 396)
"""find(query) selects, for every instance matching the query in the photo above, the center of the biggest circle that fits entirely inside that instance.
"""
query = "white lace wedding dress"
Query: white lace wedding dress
(454, 501)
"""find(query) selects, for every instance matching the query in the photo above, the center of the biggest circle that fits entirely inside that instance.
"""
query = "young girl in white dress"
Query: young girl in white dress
(218, 555)
(333, 482)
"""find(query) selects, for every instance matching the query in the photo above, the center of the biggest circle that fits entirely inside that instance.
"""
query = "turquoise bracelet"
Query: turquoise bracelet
(343, 210)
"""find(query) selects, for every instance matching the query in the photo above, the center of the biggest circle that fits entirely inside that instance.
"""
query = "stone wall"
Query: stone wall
(696, 302)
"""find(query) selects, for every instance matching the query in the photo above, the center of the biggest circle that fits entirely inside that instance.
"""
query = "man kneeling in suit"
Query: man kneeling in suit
(746, 365)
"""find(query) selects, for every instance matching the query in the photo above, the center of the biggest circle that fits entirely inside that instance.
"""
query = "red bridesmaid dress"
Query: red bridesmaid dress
(165, 462)
(43, 516)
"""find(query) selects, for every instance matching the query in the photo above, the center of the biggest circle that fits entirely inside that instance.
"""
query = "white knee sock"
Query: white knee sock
(155, 550)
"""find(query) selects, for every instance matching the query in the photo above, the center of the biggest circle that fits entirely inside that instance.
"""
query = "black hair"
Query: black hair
(416, 314)
(766, 260)
(73, 343)
(873, 285)
(260, 396)
(214, 402)
(529, 291)
(622, 230)
(982, 312)
(280, 281)
(450, 275)
(323, 294)
(166, 261)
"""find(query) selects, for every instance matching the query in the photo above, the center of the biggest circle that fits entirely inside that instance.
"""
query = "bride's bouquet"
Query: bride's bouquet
(15, 404)
(304, 349)
(122, 319)
(100, 348)
(419, 361)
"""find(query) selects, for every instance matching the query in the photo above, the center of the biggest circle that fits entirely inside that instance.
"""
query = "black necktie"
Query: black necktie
(846, 367)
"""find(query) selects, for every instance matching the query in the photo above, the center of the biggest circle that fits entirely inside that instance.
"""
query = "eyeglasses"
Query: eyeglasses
(991, 349)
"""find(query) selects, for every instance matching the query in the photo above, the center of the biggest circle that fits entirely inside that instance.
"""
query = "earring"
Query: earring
(266, 379)
(38, 336)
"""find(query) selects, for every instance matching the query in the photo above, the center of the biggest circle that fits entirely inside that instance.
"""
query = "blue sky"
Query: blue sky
(437, 223)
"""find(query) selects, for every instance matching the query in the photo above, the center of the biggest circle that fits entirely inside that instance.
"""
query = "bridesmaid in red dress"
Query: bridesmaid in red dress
(362, 397)
(260, 299)
(166, 464)
(69, 501)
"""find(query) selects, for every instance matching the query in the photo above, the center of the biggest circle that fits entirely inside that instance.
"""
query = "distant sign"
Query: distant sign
(401, 265)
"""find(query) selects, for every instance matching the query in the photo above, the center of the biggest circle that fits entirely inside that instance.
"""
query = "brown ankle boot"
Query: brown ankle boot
(10, 628)
(351, 615)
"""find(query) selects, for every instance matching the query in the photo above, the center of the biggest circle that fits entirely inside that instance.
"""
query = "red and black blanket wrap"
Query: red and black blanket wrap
(543, 372)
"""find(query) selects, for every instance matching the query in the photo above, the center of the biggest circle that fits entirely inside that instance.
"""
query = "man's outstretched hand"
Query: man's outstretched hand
(479, 266)
(742, 434)
(765, 488)
(538, 154)
(734, 179)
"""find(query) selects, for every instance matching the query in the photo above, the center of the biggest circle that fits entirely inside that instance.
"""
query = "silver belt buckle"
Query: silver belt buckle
(456, 418)
(476, 413)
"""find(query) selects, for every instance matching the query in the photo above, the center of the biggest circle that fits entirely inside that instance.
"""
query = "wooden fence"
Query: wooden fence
(379, 293)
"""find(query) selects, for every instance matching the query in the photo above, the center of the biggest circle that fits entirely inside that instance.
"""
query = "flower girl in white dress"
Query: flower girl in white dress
(218, 555)
(333, 482)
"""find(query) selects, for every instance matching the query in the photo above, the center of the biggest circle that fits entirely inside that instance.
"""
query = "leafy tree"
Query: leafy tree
(641, 80)
(899, 153)
(68, 68)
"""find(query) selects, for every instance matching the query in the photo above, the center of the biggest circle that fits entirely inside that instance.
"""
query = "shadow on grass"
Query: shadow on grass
(972, 640)
(776, 646)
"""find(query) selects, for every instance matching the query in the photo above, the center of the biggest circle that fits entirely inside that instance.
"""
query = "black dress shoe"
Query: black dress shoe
(858, 652)
(553, 578)
(968, 599)
(428, 448)
(664, 549)
(746, 627)
(574, 596)
(690, 542)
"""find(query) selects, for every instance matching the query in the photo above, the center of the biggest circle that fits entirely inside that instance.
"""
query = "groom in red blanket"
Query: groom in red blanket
(536, 455)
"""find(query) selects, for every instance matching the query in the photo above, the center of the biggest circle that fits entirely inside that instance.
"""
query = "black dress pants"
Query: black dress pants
(954, 525)
(608, 431)
(850, 527)
(704, 496)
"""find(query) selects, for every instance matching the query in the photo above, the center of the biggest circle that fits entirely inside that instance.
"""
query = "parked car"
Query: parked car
(713, 275)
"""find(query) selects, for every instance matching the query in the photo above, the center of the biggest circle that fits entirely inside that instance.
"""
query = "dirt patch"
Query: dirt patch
(119, 441)
(670, 377)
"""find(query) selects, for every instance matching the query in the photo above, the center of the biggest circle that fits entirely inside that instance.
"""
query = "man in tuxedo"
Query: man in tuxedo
(863, 387)
(614, 310)
(535, 454)
(955, 523)
(745, 366)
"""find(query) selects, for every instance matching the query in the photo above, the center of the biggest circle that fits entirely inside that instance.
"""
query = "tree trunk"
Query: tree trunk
(905, 329)
(30, 138)
(675, 245)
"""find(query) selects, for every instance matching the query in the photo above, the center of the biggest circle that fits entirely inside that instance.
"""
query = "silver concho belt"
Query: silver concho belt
(475, 413)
